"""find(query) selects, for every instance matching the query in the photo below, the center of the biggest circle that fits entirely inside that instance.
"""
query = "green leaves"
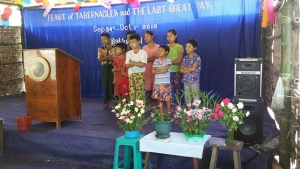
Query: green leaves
(157, 116)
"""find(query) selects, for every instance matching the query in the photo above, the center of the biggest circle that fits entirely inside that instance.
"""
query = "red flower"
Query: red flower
(226, 101)
(221, 113)
(214, 116)
(189, 120)
(217, 109)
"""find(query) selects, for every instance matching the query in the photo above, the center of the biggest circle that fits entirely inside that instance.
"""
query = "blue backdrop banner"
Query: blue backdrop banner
(225, 30)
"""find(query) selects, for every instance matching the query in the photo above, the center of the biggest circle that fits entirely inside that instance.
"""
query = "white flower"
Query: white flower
(240, 105)
(123, 113)
(178, 108)
(124, 100)
(139, 115)
(136, 109)
(234, 110)
(113, 110)
(117, 106)
(139, 103)
(129, 121)
(131, 103)
(142, 111)
(230, 105)
(222, 104)
(247, 113)
(132, 117)
(235, 118)
(197, 102)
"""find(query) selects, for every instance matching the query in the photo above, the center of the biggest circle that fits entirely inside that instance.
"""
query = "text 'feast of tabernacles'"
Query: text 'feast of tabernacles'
(150, 10)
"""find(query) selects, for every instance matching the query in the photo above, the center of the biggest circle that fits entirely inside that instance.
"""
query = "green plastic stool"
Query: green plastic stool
(127, 157)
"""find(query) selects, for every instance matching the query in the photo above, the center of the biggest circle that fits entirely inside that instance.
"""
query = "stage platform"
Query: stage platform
(92, 140)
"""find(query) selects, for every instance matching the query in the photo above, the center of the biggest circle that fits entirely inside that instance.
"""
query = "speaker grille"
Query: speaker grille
(248, 78)
(248, 128)
(247, 84)
(251, 131)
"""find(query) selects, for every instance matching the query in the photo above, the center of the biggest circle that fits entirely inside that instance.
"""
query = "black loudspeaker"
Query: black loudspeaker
(248, 79)
(251, 131)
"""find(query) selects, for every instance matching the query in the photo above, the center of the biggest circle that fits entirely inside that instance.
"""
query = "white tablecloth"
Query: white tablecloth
(177, 145)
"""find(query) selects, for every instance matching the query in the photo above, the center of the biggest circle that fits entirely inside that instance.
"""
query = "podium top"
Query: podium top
(54, 49)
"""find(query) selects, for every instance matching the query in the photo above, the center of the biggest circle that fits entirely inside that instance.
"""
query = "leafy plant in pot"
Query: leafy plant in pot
(162, 122)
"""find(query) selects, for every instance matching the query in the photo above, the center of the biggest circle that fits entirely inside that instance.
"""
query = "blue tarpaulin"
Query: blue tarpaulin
(225, 30)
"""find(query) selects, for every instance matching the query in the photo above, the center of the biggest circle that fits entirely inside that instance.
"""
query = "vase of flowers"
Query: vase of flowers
(130, 116)
(162, 122)
(231, 116)
(194, 118)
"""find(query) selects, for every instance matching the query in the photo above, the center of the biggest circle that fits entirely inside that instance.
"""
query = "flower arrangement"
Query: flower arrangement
(194, 118)
(230, 115)
(130, 115)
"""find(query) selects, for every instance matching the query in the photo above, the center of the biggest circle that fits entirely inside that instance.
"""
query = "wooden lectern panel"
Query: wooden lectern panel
(52, 82)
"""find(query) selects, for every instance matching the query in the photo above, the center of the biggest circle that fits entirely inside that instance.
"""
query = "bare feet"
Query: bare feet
(105, 106)
(149, 109)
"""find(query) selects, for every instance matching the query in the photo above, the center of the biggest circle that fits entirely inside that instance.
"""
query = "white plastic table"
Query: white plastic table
(177, 145)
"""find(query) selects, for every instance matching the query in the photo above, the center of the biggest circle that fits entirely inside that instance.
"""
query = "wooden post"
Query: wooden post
(285, 73)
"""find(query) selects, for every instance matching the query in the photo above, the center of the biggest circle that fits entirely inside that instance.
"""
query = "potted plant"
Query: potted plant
(130, 116)
(194, 118)
(162, 122)
(230, 115)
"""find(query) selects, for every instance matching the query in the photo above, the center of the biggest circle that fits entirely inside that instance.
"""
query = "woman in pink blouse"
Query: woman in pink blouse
(151, 48)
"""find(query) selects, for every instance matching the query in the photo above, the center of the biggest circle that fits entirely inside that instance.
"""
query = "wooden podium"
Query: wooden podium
(52, 82)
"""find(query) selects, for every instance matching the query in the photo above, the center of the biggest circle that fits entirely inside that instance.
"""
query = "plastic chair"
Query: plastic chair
(128, 152)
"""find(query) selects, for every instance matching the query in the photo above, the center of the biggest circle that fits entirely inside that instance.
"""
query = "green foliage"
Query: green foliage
(156, 115)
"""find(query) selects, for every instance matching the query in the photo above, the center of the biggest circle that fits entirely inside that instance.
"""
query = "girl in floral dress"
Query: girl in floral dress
(175, 54)
(191, 67)
(119, 63)
(151, 48)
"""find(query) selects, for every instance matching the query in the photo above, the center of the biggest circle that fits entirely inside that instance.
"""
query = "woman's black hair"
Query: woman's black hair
(149, 32)
(173, 31)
